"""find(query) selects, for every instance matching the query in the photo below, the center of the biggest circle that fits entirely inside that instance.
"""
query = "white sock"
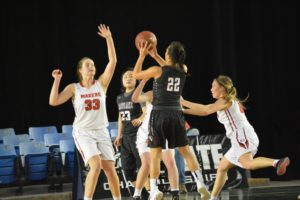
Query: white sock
(117, 198)
(199, 178)
(199, 175)
(87, 198)
(153, 184)
(137, 192)
(213, 198)
(275, 163)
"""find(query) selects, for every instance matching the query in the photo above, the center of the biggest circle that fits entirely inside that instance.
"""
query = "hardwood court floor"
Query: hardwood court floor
(281, 190)
(274, 191)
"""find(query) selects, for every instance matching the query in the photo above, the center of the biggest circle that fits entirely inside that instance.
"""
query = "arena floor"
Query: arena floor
(281, 190)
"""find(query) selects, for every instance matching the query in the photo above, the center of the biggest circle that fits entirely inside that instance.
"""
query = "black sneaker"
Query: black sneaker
(182, 189)
(282, 165)
(145, 194)
(176, 197)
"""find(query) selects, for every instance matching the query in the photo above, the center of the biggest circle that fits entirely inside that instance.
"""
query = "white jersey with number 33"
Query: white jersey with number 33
(90, 107)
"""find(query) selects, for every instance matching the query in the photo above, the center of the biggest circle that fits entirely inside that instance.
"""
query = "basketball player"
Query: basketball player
(244, 141)
(90, 125)
(130, 118)
(167, 121)
(144, 150)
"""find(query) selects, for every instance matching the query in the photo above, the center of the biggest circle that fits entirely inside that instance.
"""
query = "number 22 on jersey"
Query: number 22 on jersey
(173, 84)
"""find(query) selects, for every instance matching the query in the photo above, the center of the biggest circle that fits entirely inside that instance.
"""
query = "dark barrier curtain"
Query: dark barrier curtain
(254, 42)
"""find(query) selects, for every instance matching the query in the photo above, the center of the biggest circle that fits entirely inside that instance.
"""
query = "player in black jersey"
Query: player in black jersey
(167, 120)
(130, 118)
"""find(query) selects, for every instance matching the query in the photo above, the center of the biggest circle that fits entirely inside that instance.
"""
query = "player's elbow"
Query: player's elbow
(134, 100)
(205, 113)
(134, 75)
(53, 103)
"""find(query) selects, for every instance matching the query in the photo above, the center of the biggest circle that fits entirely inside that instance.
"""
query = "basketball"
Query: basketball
(145, 36)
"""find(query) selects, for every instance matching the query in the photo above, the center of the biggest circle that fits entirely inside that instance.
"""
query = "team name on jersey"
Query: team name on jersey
(83, 96)
(125, 105)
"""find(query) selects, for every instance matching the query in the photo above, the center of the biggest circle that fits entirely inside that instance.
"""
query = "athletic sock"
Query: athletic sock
(153, 184)
(137, 192)
(198, 177)
(275, 163)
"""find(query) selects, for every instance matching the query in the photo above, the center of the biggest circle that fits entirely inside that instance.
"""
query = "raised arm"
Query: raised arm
(203, 110)
(57, 98)
(153, 53)
(106, 77)
(152, 72)
(139, 63)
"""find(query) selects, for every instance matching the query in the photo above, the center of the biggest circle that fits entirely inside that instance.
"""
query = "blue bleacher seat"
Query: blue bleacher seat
(66, 136)
(37, 133)
(35, 160)
(112, 125)
(67, 149)
(37, 164)
(15, 140)
(67, 128)
(23, 137)
(5, 132)
(8, 163)
(11, 139)
(113, 133)
(52, 142)
(52, 139)
(193, 132)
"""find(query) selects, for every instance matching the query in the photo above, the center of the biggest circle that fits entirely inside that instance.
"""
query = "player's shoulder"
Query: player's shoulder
(71, 86)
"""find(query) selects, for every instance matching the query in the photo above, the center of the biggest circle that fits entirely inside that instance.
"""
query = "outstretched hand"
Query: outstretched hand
(145, 48)
(104, 31)
(153, 51)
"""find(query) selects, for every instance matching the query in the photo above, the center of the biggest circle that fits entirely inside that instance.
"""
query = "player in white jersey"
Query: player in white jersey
(90, 125)
(144, 150)
(244, 141)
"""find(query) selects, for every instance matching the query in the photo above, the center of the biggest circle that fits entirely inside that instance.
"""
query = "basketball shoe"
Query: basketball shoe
(282, 165)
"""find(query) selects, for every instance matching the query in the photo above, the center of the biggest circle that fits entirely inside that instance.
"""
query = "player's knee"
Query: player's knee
(222, 169)
(109, 168)
(247, 165)
(95, 165)
(130, 175)
(95, 168)
(146, 166)
(185, 151)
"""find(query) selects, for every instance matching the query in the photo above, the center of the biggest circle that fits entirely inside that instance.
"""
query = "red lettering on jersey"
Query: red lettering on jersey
(97, 94)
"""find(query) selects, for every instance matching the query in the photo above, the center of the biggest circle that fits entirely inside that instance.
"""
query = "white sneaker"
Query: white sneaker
(205, 195)
(156, 195)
